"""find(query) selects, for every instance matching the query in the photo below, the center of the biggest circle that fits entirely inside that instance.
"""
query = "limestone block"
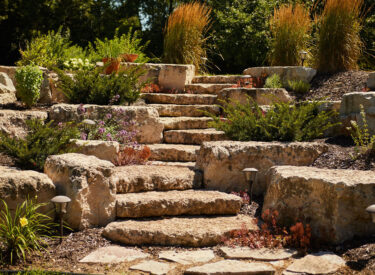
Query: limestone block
(371, 81)
(333, 202)
(7, 89)
(222, 162)
(105, 150)
(261, 96)
(86, 180)
(147, 124)
(286, 73)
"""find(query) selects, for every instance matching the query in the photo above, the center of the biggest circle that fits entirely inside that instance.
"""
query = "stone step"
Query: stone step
(195, 231)
(189, 164)
(176, 203)
(183, 123)
(193, 136)
(141, 178)
(173, 152)
(181, 99)
(218, 79)
(173, 110)
(204, 88)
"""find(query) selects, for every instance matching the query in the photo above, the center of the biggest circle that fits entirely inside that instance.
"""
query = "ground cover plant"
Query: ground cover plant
(29, 81)
(298, 86)
(281, 122)
(273, 81)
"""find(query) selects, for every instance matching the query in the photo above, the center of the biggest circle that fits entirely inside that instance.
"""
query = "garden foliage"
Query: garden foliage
(273, 81)
(29, 81)
(41, 141)
(281, 122)
(298, 86)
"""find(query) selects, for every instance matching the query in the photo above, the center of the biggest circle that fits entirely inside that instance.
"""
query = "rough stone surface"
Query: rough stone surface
(7, 89)
(180, 231)
(146, 119)
(202, 88)
(371, 81)
(263, 254)
(193, 136)
(86, 180)
(351, 108)
(105, 150)
(320, 263)
(189, 164)
(173, 152)
(114, 254)
(10, 71)
(222, 162)
(286, 73)
(13, 122)
(224, 79)
(187, 257)
(16, 186)
(182, 99)
(331, 201)
(172, 110)
(231, 267)
(261, 96)
(140, 178)
(176, 203)
(184, 123)
(153, 267)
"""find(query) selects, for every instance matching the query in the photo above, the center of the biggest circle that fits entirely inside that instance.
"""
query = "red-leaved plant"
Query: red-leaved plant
(132, 156)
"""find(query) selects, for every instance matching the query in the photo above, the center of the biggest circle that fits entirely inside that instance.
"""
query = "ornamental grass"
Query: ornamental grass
(184, 35)
(290, 26)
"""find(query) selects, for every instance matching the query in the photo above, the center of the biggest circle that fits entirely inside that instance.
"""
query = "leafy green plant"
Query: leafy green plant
(273, 81)
(91, 87)
(24, 230)
(299, 86)
(41, 141)
(29, 81)
(282, 122)
(78, 64)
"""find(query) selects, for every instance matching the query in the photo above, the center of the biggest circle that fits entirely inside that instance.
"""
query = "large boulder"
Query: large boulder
(261, 96)
(14, 122)
(371, 81)
(333, 202)
(286, 73)
(86, 180)
(105, 150)
(16, 186)
(7, 89)
(147, 124)
(222, 162)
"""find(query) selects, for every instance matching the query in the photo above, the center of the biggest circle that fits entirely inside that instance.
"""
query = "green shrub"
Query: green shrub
(273, 81)
(91, 87)
(299, 86)
(24, 230)
(282, 122)
(29, 81)
(78, 64)
(41, 141)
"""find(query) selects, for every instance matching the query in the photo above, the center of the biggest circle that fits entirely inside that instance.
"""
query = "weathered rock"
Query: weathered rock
(172, 110)
(222, 162)
(187, 257)
(176, 203)
(180, 231)
(320, 263)
(13, 122)
(114, 254)
(140, 178)
(184, 123)
(261, 96)
(189, 164)
(371, 81)
(193, 136)
(181, 99)
(153, 267)
(57, 95)
(86, 180)
(16, 186)
(229, 267)
(286, 73)
(10, 71)
(262, 254)
(331, 201)
(146, 119)
(202, 88)
(351, 109)
(105, 150)
(173, 152)
(7, 89)
(224, 79)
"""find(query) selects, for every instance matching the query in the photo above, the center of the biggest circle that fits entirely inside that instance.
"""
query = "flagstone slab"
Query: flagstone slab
(188, 257)
(263, 254)
(153, 267)
(114, 254)
(229, 267)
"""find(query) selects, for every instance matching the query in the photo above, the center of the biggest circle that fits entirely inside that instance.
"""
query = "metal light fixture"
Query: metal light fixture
(303, 55)
(61, 202)
(371, 210)
(88, 125)
(251, 175)
(245, 79)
